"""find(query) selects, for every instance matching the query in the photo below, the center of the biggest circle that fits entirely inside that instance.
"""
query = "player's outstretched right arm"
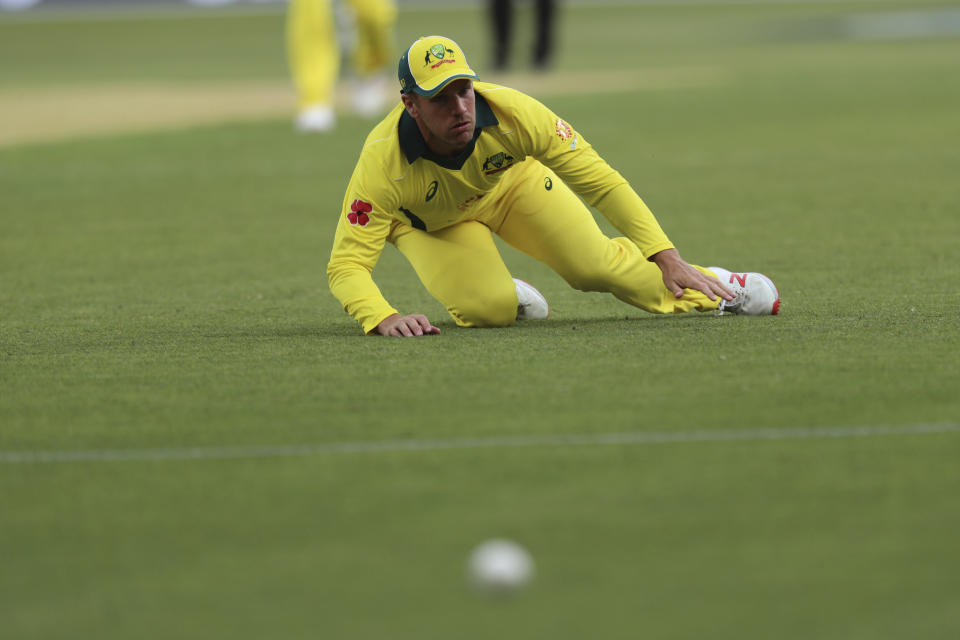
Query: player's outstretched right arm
(361, 234)
(410, 326)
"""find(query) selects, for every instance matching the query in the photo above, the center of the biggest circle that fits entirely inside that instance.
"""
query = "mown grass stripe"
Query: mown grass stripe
(492, 442)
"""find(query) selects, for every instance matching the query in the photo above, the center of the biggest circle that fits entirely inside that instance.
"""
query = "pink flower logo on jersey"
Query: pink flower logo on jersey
(358, 213)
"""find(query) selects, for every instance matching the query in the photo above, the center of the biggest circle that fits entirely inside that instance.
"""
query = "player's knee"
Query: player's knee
(494, 308)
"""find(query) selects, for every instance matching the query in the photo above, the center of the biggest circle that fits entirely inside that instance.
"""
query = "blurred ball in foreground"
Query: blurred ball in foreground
(499, 565)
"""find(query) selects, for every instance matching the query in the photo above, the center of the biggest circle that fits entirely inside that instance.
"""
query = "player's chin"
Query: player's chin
(458, 144)
(461, 141)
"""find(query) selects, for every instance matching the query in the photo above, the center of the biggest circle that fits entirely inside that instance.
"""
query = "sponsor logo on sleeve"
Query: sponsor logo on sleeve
(564, 131)
(359, 213)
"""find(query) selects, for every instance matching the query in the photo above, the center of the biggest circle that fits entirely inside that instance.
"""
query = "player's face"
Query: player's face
(446, 120)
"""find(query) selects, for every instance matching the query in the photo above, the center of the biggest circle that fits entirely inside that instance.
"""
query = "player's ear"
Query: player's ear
(410, 104)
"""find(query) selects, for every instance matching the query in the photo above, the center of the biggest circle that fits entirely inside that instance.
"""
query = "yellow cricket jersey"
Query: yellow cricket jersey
(398, 180)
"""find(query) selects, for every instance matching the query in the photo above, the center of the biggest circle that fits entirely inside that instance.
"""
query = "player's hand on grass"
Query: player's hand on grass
(679, 275)
(410, 326)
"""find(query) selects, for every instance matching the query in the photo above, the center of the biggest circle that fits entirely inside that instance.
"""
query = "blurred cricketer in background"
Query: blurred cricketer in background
(313, 49)
(459, 160)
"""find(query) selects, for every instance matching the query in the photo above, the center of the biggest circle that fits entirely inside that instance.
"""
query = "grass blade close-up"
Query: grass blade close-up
(196, 441)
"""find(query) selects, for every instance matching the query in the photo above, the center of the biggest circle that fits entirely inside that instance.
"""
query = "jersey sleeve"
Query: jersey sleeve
(361, 234)
(556, 144)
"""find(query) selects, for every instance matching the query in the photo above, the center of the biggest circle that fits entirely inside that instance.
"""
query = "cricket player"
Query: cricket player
(314, 55)
(458, 160)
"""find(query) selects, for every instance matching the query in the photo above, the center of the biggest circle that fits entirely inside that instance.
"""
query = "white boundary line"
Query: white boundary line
(492, 442)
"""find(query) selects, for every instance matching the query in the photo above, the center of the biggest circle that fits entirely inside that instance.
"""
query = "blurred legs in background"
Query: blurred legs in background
(313, 50)
(501, 14)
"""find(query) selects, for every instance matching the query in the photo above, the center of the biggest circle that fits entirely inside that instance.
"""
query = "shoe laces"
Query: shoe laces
(734, 305)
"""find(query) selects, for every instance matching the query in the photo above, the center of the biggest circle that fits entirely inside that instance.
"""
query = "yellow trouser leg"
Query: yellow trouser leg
(461, 267)
(374, 45)
(312, 51)
(555, 227)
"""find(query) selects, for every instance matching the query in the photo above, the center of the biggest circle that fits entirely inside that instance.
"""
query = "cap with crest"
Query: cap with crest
(430, 64)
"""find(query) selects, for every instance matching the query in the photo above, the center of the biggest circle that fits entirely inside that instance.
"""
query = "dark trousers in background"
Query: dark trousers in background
(501, 12)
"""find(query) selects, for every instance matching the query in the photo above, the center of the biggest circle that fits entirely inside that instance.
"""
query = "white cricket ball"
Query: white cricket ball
(500, 565)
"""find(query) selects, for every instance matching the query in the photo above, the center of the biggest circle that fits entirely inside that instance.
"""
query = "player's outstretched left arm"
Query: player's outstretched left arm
(678, 275)
(410, 326)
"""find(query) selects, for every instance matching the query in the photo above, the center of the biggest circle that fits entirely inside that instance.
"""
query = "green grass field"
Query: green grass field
(196, 441)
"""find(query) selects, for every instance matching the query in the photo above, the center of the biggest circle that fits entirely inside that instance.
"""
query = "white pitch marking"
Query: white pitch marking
(492, 442)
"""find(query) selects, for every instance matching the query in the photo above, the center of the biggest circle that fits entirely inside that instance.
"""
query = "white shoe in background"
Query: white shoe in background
(370, 96)
(317, 118)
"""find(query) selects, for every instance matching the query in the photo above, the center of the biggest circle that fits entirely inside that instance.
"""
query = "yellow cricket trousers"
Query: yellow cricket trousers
(314, 54)
(539, 215)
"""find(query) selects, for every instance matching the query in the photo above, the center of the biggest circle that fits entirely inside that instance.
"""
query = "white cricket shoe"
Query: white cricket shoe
(317, 118)
(754, 293)
(370, 96)
(531, 305)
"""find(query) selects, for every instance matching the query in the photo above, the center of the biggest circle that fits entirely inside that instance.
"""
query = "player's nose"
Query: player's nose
(460, 105)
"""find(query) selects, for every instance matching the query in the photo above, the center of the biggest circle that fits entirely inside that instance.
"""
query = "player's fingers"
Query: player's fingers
(673, 287)
(708, 288)
(426, 326)
(720, 289)
(404, 330)
(712, 287)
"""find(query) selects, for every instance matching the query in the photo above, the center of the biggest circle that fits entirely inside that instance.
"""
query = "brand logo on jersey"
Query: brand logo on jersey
(439, 53)
(497, 162)
(564, 131)
(358, 213)
(547, 183)
(431, 191)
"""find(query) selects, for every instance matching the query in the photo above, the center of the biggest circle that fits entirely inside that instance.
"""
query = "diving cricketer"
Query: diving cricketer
(458, 160)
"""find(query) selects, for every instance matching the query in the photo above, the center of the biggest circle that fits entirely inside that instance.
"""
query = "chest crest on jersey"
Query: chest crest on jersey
(497, 162)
